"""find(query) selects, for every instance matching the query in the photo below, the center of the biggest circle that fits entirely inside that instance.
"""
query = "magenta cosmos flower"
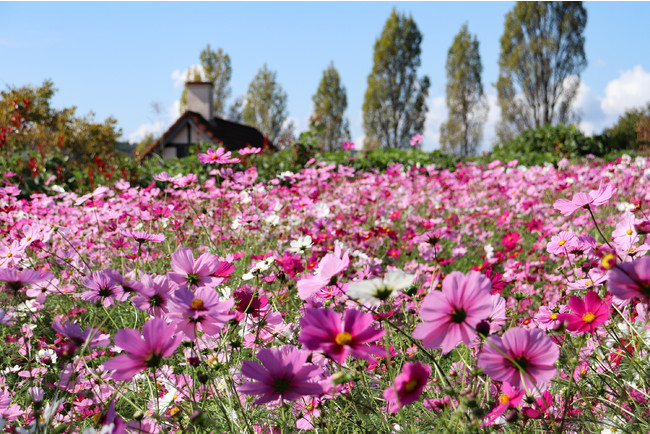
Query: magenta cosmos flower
(188, 272)
(586, 315)
(631, 279)
(220, 156)
(451, 315)
(408, 386)
(200, 311)
(328, 267)
(324, 329)
(142, 236)
(584, 200)
(510, 397)
(159, 342)
(102, 289)
(283, 374)
(520, 357)
(17, 279)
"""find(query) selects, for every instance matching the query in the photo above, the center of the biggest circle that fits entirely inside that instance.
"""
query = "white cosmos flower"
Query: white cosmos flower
(374, 291)
(301, 244)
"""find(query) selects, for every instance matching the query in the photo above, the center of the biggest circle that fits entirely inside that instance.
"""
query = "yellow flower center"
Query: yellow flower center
(343, 338)
(629, 231)
(174, 411)
(411, 385)
(9, 255)
(214, 156)
(561, 243)
(588, 317)
(504, 399)
(589, 282)
(28, 239)
(197, 304)
(608, 261)
(553, 316)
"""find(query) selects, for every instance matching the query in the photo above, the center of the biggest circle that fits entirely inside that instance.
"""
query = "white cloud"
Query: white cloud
(359, 142)
(155, 128)
(436, 115)
(489, 129)
(631, 89)
(165, 120)
(180, 77)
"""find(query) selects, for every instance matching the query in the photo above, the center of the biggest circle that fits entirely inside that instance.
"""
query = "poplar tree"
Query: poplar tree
(394, 107)
(330, 102)
(265, 106)
(542, 56)
(466, 102)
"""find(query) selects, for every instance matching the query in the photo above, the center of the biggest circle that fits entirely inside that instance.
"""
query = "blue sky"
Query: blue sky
(117, 58)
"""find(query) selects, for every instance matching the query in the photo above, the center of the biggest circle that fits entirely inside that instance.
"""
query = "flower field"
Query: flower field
(417, 299)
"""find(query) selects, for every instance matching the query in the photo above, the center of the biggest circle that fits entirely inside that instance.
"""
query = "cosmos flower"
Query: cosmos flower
(283, 374)
(102, 289)
(510, 397)
(416, 139)
(142, 236)
(188, 272)
(328, 267)
(628, 280)
(586, 315)
(451, 315)
(326, 330)
(220, 156)
(584, 200)
(522, 357)
(17, 279)
(374, 291)
(144, 351)
(408, 386)
(199, 311)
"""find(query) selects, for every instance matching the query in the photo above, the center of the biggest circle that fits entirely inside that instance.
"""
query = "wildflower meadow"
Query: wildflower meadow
(490, 297)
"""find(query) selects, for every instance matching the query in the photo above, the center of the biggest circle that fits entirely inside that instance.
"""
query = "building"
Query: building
(198, 125)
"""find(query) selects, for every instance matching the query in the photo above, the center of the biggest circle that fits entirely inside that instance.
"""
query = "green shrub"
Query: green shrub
(548, 144)
(630, 132)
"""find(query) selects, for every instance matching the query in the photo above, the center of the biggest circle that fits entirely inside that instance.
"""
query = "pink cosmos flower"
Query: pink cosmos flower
(510, 398)
(102, 289)
(220, 156)
(153, 294)
(17, 279)
(324, 329)
(561, 243)
(199, 311)
(142, 236)
(416, 139)
(451, 315)
(249, 150)
(331, 265)
(548, 319)
(586, 315)
(188, 272)
(520, 357)
(159, 342)
(347, 146)
(584, 200)
(283, 375)
(408, 386)
(73, 332)
(631, 279)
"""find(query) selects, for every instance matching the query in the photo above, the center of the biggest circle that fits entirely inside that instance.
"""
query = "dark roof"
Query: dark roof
(230, 135)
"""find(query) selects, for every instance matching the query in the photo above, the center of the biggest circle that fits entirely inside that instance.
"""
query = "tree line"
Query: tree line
(542, 57)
